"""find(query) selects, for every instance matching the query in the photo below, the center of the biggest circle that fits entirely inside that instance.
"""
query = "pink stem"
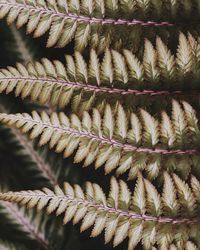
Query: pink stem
(112, 142)
(105, 208)
(99, 89)
(85, 19)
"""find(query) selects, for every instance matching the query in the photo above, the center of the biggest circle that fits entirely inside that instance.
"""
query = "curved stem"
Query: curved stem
(111, 142)
(86, 203)
(99, 89)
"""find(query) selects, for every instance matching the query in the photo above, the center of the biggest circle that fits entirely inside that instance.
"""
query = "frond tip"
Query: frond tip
(121, 213)
(119, 140)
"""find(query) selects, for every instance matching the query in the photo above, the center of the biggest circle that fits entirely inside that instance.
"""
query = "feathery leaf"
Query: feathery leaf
(138, 144)
(116, 214)
(81, 21)
(83, 84)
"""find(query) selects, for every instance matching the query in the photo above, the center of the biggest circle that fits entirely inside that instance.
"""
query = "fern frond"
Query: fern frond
(139, 142)
(89, 21)
(22, 144)
(25, 224)
(42, 166)
(25, 54)
(72, 20)
(117, 75)
(120, 214)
